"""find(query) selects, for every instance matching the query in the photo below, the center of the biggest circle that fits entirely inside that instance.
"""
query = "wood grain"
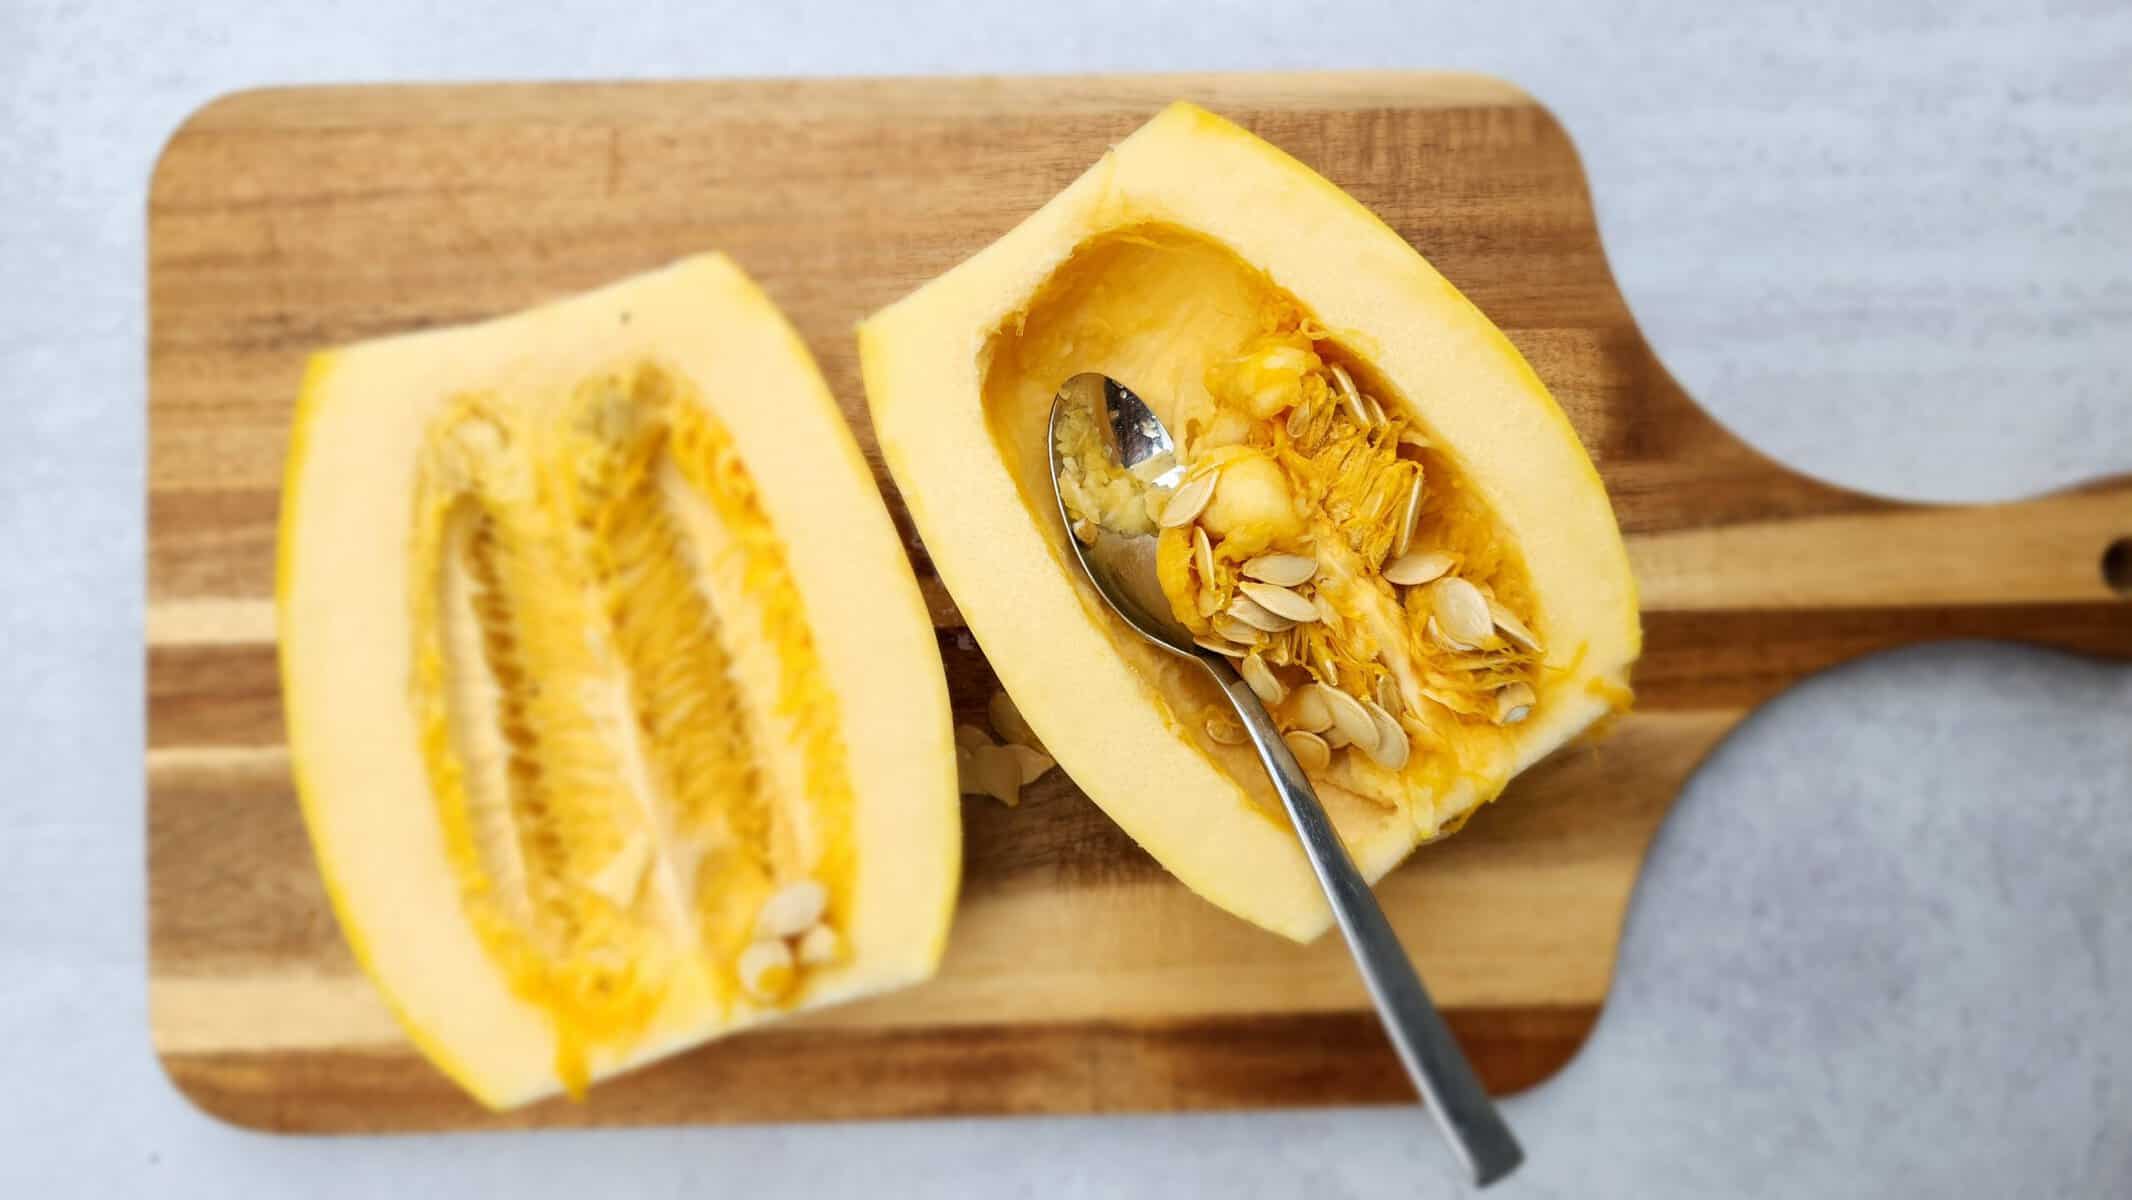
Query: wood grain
(1080, 977)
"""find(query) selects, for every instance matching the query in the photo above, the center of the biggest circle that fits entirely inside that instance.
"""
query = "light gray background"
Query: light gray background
(1885, 943)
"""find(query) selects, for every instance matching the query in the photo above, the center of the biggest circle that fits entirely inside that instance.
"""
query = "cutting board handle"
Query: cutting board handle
(2051, 550)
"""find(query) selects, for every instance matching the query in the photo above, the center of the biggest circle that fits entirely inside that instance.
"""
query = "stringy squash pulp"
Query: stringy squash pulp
(598, 757)
(1384, 519)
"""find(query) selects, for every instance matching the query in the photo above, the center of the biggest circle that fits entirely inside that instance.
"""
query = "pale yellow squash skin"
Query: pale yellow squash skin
(345, 638)
(925, 361)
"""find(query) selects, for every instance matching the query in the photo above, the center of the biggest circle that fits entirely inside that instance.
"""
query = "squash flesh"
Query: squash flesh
(1142, 271)
(562, 735)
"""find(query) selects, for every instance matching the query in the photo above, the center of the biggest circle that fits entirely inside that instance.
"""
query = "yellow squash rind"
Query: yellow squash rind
(346, 638)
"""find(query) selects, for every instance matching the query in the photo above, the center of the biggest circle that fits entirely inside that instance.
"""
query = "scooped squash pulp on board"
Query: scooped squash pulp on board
(616, 715)
(1385, 519)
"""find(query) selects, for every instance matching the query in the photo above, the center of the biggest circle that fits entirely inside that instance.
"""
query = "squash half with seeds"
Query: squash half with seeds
(1384, 519)
(617, 718)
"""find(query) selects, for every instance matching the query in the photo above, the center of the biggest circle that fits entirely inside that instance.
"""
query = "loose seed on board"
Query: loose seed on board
(1413, 570)
(1225, 730)
(1309, 711)
(1032, 762)
(990, 770)
(1254, 614)
(1189, 500)
(1461, 611)
(1269, 689)
(1514, 703)
(1352, 720)
(1281, 602)
(792, 910)
(1281, 570)
(1311, 752)
(1392, 747)
(1512, 628)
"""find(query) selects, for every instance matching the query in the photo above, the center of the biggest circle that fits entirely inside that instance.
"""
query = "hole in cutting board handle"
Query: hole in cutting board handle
(2117, 566)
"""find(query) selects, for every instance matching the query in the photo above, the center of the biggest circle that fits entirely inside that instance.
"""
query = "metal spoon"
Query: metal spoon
(1122, 567)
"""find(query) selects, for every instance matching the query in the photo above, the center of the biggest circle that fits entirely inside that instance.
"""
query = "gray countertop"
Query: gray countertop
(1884, 945)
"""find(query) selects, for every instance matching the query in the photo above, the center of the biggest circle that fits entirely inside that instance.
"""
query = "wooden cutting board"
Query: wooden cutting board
(1080, 977)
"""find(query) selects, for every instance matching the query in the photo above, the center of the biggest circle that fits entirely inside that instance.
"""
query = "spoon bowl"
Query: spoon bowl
(1122, 565)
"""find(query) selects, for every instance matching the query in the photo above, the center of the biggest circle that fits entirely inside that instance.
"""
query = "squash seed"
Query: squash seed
(1280, 650)
(1311, 752)
(1307, 710)
(1264, 684)
(1225, 730)
(792, 910)
(1514, 703)
(1221, 646)
(1376, 411)
(1350, 396)
(1334, 738)
(1413, 570)
(1254, 614)
(1299, 419)
(1392, 748)
(1279, 601)
(1231, 629)
(765, 968)
(1203, 555)
(1388, 694)
(1436, 634)
(1281, 570)
(1327, 614)
(820, 946)
(970, 737)
(1461, 611)
(1007, 722)
(1189, 500)
(990, 770)
(1511, 627)
(1324, 667)
(1352, 720)
(1408, 518)
(1032, 762)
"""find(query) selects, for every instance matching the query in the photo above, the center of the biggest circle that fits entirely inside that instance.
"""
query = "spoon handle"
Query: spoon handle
(1462, 1107)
